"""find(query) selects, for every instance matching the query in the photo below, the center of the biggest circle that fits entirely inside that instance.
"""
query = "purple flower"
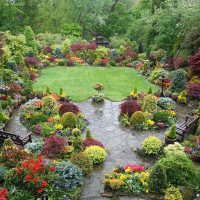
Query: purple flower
(37, 129)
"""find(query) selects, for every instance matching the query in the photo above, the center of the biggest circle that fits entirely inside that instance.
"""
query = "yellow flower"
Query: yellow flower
(172, 113)
(134, 94)
(147, 191)
(58, 126)
(150, 122)
(128, 170)
(26, 150)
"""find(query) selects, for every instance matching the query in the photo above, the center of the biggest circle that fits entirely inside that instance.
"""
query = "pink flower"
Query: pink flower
(135, 168)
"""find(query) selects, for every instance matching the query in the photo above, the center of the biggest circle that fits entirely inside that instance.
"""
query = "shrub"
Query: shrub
(172, 133)
(194, 63)
(69, 120)
(46, 129)
(172, 149)
(166, 103)
(158, 179)
(88, 134)
(193, 90)
(150, 103)
(12, 65)
(137, 120)
(69, 176)
(31, 61)
(81, 160)
(161, 116)
(35, 147)
(49, 107)
(91, 142)
(68, 107)
(179, 80)
(3, 171)
(173, 193)
(58, 53)
(54, 147)
(12, 154)
(129, 107)
(179, 169)
(152, 145)
(96, 154)
(37, 117)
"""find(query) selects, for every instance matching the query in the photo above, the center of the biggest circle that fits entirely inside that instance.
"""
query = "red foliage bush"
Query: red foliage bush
(77, 47)
(193, 90)
(92, 46)
(129, 107)
(179, 61)
(129, 53)
(15, 88)
(32, 76)
(91, 142)
(68, 107)
(54, 147)
(103, 62)
(47, 49)
(31, 61)
(70, 63)
(194, 63)
(52, 59)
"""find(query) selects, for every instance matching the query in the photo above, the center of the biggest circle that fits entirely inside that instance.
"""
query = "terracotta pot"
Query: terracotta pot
(24, 99)
(174, 97)
(169, 141)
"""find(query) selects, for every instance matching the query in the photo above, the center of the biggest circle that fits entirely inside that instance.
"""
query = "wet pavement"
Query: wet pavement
(119, 141)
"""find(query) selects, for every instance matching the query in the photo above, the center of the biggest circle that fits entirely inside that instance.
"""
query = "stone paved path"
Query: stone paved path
(104, 126)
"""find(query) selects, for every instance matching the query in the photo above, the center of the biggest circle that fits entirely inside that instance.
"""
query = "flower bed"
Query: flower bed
(147, 112)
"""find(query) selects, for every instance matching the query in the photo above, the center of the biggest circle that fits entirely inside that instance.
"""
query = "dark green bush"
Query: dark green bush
(3, 171)
(38, 117)
(137, 119)
(69, 120)
(179, 80)
(158, 179)
(162, 116)
(179, 169)
(82, 161)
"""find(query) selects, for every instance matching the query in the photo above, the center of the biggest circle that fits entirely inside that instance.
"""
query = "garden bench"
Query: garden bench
(188, 126)
(18, 140)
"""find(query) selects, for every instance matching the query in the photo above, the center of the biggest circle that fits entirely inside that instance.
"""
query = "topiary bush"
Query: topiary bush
(179, 80)
(166, 103)
(91, 142)
(68, 107)
(137, 120)
(179, 169)
(54, 147)
(150, 103)
(96, 154)
(171, 134)
(129, 107)
(81, 160)
(69, 176)
(152, 145)
(157, 179)
(69, 120)
(173, 193)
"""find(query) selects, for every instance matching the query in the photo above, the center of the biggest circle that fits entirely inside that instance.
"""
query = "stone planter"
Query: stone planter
(169, 141)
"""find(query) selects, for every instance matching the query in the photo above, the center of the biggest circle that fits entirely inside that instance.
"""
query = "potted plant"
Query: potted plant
(170, 136)
(99, 97)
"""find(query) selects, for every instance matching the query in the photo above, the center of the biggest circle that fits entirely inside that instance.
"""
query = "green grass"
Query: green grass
(77, 82)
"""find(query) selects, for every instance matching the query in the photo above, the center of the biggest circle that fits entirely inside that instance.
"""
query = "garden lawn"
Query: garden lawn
(77, 82)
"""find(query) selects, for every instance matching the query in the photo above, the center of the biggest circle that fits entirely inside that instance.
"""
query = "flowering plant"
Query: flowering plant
(133, 168)
(32, 174)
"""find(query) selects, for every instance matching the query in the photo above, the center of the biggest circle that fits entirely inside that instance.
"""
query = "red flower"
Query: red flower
(19, 171)
(52, 169)
(44, 184)
(28, 177)
(39, 190)
(24, 164)
(36, 179)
